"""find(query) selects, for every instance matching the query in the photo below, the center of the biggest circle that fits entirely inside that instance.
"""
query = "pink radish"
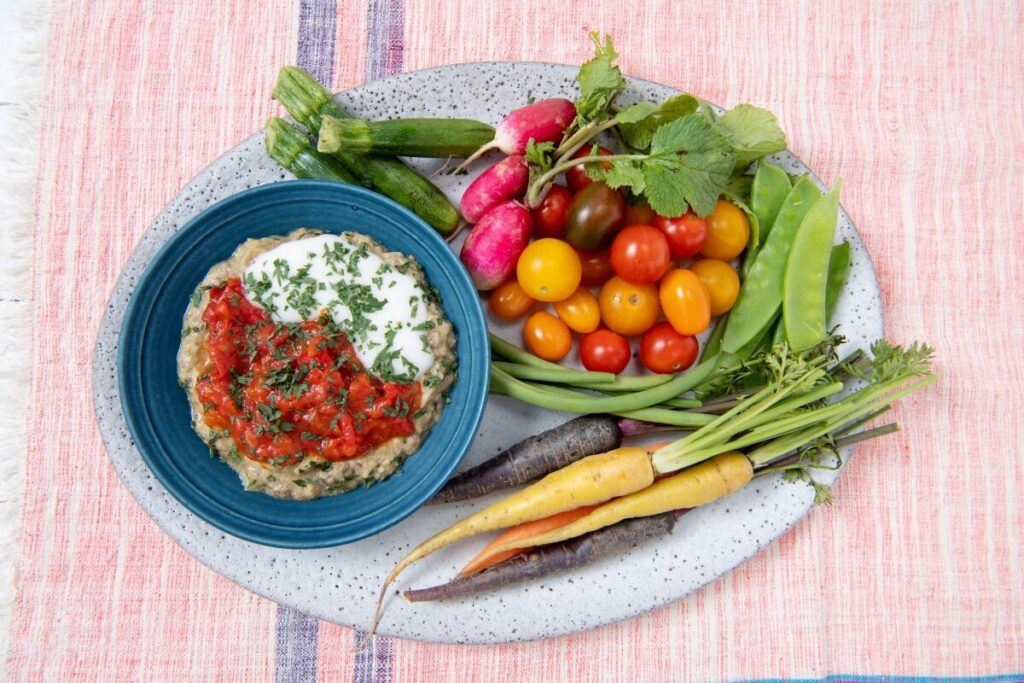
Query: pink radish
(506, 180)
(543, 121)
(493, 246)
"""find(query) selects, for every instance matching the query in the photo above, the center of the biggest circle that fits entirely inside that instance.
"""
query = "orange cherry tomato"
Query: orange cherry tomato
(728, 232)
(597, 267)
(547, 337)
(722, 282)
(627, 308)
(639, 214)
(509, 301)
(686, 301)
(549, 270)
(580, 311)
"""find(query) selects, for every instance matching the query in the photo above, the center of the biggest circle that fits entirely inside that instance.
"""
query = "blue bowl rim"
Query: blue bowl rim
(477, 322)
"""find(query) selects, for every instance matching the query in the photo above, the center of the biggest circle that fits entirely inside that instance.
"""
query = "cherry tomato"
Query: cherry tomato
(547, 337)
(580, 311)
(662, 349)
(604, 351)
(728, 232)
(639, 214)
(576, 176)
(549, 270)
(722, 282)
(627, 308)
(640, 254)
(597, 267)
(685, 234)
(549, 217)
(595, 213)
(509, 301)
(686, 301)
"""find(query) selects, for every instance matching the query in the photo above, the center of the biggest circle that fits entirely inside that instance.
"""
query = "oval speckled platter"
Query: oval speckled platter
(339, 584)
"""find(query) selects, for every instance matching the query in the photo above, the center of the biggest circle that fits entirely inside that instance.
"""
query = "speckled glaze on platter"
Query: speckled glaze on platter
(339, 584)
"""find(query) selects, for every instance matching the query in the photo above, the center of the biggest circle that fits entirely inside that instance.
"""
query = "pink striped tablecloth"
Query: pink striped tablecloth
(916, 571)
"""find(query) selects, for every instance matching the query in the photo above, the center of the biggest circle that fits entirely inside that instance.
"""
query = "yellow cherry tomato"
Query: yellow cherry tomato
(686, 301)
(580, 311)
(728, 232)
(549, 270)
(722, 282)
(627, 308)
(509, 301)
(547, 337)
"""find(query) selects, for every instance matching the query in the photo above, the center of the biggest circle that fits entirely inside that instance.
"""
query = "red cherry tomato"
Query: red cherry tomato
(604, 351)
(662, 349)
(639, 214)
(685, 234)
(640, 254)
(549, 217)
(597, 267)
(577, 176)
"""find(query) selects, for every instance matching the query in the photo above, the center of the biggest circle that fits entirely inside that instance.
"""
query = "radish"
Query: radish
(505, 180)
(493, 246)
(543, 121)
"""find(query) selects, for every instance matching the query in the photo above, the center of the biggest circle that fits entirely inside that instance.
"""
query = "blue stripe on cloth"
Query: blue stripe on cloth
(385, 38)
(385, 42)
(296, 647)
(297, 634)
(318, 20)
(859, 678)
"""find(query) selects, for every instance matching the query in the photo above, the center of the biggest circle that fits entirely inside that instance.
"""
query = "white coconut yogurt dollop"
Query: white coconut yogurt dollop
(382, 310)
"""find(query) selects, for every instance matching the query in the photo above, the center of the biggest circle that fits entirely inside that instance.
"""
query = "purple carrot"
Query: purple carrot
(532, 458)
(550, 559)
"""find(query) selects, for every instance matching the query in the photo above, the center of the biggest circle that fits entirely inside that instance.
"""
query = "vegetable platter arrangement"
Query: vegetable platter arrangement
(673, 331)
(667, 210)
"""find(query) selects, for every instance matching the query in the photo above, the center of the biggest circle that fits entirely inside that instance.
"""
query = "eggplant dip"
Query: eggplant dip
(315, 363)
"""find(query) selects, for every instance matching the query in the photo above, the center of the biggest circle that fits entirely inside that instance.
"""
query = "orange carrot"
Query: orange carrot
(526, 529)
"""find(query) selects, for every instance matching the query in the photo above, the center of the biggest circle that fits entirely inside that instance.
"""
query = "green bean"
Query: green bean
(838, 271)
(515, 354)
(665, 416)
(545, 398)
(559, 375)
(761, 292)
(803, 291)
(771, 185)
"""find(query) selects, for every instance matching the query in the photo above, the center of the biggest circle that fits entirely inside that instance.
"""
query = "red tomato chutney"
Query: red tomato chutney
(286, 391)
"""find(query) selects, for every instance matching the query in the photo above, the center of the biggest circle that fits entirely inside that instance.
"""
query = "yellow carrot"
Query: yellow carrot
(485, 559)
(588, 481)
(695, 486)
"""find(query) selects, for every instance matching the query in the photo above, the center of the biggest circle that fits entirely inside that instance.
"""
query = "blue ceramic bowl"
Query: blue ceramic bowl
(157, 411)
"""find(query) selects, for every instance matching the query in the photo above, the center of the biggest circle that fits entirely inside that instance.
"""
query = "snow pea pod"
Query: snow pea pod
(767, 193)
(761, 292)
(803, 289)
(714, 343)
(838, 271)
